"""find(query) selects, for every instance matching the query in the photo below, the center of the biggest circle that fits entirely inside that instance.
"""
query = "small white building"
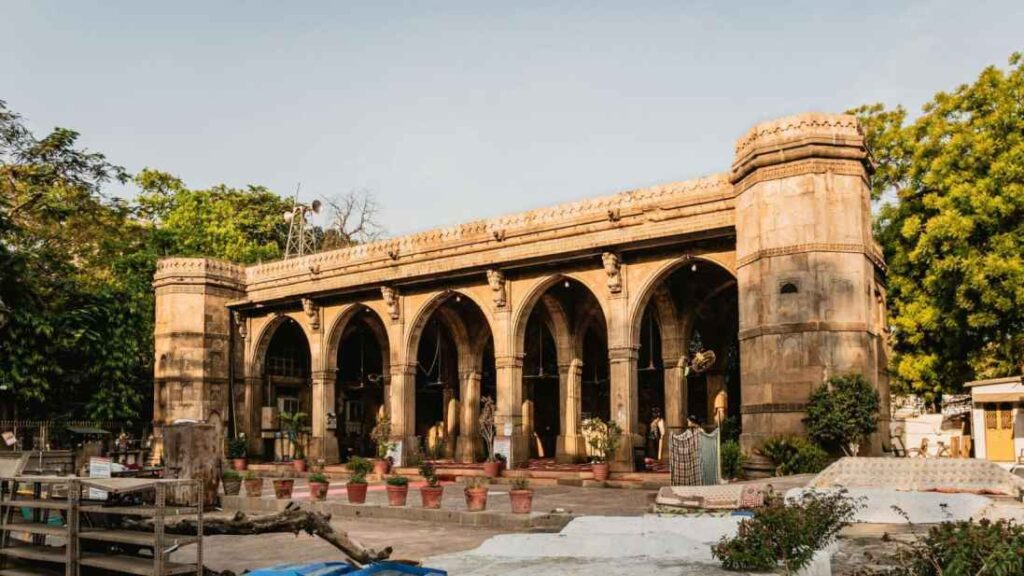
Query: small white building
(997, 418)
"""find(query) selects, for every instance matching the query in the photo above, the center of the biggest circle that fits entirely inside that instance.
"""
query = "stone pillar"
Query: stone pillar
(807, 266)
(192, 338)
(467, 446)
(625, 406)
(675, 394)
(509, 417)
(571, 446)
(402, 407)
(251, 415)
(323, 443)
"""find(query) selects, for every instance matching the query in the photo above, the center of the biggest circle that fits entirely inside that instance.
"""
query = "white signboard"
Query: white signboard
(98, 468)
(503, 446)
(396, 453)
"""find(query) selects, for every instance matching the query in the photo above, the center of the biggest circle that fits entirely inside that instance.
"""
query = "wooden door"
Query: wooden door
(999, 432)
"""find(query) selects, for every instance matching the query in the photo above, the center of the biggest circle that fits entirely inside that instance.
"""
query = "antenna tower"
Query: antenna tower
(301, 234)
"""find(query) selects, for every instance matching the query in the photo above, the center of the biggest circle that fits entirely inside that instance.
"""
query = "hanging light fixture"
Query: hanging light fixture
(438, 361)
(540, 363)
(650, 347)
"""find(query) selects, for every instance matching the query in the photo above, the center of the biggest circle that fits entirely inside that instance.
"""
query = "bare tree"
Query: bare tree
(353, 220)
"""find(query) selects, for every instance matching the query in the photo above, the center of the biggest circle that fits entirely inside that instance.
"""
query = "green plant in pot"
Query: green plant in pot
(359, 467)
(232, 482)
(398, 490)
(381, 436)
(476, 494)
(488, 431)
(521, 495)
(318, 486)
(238, 452)
(603, 439)
(292, 422)
(253, 484)
(433, 492)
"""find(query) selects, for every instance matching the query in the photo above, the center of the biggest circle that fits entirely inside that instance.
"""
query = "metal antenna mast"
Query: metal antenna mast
(301, 235)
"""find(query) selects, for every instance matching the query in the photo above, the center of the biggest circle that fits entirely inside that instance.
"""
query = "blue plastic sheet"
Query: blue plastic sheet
(339, 568)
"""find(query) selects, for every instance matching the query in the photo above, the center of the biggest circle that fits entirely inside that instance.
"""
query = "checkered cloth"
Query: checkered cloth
(684, 459)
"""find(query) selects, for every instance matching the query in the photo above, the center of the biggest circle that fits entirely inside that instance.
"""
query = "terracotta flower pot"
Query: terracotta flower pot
(318, 490)
(356, 493)
(492, 469)
(232, 487)
(240, 464)
(431, 496)
(476, 499)
(600, 470)
(522, 501)
(381, 466)
(283, 488)
(299, 465)
(397, 495)
(253, 487)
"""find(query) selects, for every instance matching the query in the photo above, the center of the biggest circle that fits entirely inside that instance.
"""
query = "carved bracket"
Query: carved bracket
(312, 311)
(496, 280)
(240, 321)
(612, 267)
(390, 300)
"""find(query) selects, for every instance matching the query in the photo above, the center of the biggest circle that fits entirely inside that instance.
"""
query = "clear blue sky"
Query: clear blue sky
(450, 111)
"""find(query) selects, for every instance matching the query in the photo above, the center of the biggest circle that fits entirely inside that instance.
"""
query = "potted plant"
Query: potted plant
(603, 438)
(356, 486)
(433, 491)
(283, 487)
(521, 495)
(318, 485)
(398, 490)
(488, 430)
(476, 494)
(381, 436)
(232, 482)
(293, 426)
(238, 451)
(253, 485)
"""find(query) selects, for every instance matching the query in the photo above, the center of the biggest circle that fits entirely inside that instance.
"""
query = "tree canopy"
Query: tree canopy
(951, 225)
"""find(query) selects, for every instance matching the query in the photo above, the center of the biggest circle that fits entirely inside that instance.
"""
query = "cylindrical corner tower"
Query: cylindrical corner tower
(810, 276)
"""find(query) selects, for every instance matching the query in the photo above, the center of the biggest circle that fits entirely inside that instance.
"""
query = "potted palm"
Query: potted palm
(603, 438)
(232, 482)
(476, 494)
(318, 485)
(381, 436)
(283, 487)
(488, 430)
(238, 451)
(398, 490)
(521, 495)
(293, 426)
(433, 492)
(253, 485)
(356, 486)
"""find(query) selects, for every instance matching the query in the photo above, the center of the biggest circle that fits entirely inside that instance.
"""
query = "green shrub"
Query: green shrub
(786, 534)
(794, 455)
(230, 474)
(359, 467)
(520, 483)
(397, 480)
(237, 447)
(250, 475)
(429, 473)
(842, 413)
(732, 459)
(319, 478)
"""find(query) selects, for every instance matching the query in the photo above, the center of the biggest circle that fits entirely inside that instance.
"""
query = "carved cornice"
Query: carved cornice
(799, 327)
(873, 252)
(799, 168)
(171, 271)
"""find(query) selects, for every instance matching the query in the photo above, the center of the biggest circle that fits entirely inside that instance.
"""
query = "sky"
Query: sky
(453, 111)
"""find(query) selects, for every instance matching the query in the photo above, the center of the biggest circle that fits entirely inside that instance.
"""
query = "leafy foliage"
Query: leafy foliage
(786, 534)
(397, 480)
(602, 437)
(381, 436)
(359, 467)
(732, 459)
(952, 229)
(488, 428)
(794, 455)
(843, 412)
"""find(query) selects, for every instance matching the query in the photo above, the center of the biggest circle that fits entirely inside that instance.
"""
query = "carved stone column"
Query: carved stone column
(252, 415)
(467, 445)
(323, 443)
(675, 394)
(509, 417)
(571, 445)
(402, 409)
(625, 405)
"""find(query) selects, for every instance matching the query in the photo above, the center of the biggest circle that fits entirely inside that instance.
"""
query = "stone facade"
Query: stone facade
(607, 295)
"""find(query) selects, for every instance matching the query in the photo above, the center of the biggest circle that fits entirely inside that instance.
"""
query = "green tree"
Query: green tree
(843, 412)
(952, 229)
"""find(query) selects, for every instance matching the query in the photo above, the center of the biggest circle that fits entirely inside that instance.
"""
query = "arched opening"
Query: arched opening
(651, 384)
(437, 385)
(541, 384)
(361, 380)
(595, 396)
(287, 386)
